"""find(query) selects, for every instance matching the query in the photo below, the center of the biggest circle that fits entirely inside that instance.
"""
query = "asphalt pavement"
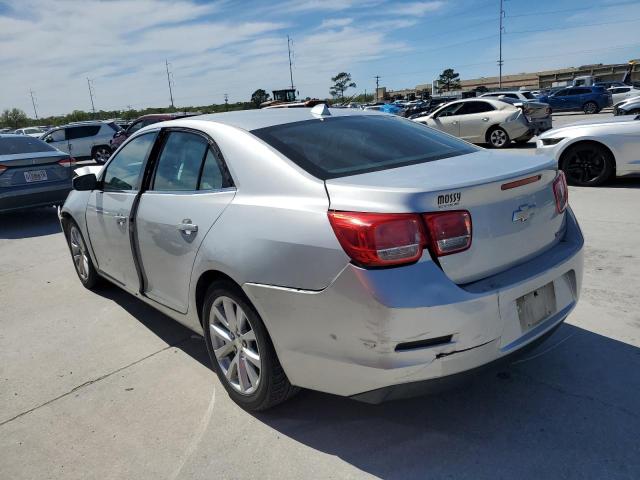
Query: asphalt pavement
(101, 386)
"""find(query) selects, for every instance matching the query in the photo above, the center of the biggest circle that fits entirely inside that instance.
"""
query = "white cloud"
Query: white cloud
(122, 45)
(417, 9)
(336, 22)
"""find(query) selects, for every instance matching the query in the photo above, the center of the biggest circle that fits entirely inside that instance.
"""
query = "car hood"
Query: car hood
(586, 123)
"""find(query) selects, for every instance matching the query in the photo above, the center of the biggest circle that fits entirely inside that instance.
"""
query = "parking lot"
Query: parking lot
(103, 386)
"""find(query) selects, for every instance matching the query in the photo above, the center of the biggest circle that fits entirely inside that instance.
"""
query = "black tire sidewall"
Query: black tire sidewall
(584, 108)
(93, 278)
(257, 399)
(606, 175)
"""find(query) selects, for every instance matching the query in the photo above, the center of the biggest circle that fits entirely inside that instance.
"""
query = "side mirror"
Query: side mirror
(85, 183)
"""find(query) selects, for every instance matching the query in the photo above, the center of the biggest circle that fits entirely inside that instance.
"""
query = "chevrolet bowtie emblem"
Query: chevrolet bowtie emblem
(523, 213)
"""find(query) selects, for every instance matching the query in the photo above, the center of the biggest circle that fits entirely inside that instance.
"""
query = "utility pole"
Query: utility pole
(34, 104)
(500, 62)
(93, 107)
(169, 82)
(289, 42)
(226, 102)
(377, 77)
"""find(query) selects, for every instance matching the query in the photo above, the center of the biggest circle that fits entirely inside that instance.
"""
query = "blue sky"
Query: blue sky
(236, 47)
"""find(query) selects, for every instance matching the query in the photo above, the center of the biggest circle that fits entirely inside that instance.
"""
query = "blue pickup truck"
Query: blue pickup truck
(575, 99)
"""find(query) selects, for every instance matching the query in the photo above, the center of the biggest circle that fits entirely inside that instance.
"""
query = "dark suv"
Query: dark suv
(586, 99)
(143, 121)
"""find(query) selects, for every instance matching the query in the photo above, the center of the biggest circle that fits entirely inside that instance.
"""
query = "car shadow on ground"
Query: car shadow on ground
(167, 329)
(35, 222)
(624, 182)
(567, 412)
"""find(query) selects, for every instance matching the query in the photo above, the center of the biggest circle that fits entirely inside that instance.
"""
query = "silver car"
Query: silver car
(350, 252)
(595, 151)
(492, 121)
(83, 140)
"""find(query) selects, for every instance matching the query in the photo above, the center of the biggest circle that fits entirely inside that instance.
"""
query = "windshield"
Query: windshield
(14, 145)
(342, 146)
(528, 95)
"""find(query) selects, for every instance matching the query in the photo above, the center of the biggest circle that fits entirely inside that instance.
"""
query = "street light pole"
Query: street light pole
(34, 104)
(500, 62)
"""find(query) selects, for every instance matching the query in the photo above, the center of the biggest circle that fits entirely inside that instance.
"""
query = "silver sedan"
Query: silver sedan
(354, 253)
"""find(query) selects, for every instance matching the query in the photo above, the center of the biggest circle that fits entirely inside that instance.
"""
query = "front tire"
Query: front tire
(241, 350)
(590, 108)
(497, 137)
(587, 165)
(82, 262)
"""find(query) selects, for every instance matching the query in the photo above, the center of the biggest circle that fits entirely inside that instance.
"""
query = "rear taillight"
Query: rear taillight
(561, 192)
(2, 168)
(379, 239)
(384, 239)
(67, 162)
(448, 232)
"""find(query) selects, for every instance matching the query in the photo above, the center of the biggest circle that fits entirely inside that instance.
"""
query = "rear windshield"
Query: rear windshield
(342, 146)
(13, 145)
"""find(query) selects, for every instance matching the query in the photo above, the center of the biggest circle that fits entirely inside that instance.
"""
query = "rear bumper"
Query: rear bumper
(344, 339)
(29, 197)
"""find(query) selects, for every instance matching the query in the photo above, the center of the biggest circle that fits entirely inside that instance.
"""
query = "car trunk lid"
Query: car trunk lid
(27, 168)
(511, 222)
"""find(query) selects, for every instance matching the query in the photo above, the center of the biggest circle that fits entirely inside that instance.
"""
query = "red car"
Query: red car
(143, 121)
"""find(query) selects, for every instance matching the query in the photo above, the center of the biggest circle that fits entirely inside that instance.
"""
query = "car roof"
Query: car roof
(255, 119)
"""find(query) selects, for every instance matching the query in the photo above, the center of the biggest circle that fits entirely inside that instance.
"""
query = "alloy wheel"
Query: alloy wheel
(584, 166)
(498, 138)
(590, 108)
(79, 253)
(102, 154)
(234, 345)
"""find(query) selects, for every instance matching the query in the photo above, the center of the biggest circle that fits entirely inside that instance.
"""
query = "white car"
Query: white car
(620, 94)
(488, 120)
(631, 106)
(592, 152)
(31, 131)
(523, 95)
(83, 140)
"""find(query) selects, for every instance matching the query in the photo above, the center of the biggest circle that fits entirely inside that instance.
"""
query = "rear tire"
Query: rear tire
(590, 108)
(241, 350)
(101, 154)
(497, 137)
(587, 164)
(82, 262)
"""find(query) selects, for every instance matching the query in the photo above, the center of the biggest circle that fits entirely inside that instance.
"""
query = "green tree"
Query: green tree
(259, 97)
(14, 118)
(341, 82)
(449, 80)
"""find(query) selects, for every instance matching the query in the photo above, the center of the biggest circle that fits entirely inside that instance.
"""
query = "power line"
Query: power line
(169, 82)
(549, 12)
(34, 104)
(568, 27)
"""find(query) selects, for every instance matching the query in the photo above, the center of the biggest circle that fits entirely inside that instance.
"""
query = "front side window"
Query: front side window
(450, 110)
(561, 93)
(179, 163)
(136, 126)
(56, 136)
(528, 95)
(353, 144)
(124, 169)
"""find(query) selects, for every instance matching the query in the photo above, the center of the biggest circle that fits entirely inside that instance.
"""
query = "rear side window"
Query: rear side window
(123, 171)
(349, 145)
(14, 145)
(180, 162)
(475, 107)
(82, 132)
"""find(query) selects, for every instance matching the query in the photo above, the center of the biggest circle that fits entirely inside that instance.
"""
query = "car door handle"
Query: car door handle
(187, 227)
(120, 219)
(485, 119)
(454, 123)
